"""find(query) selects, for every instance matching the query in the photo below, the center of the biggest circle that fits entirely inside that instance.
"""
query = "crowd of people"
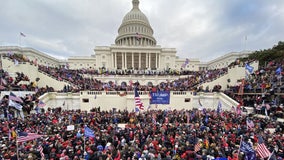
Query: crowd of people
(9, 83)
(152, 134)
(80, 78)
(262, 89)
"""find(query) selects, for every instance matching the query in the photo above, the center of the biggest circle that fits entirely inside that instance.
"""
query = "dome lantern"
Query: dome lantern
(135, 4)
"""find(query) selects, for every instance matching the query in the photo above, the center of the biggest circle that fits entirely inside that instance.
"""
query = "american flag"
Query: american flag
(40, 149)
(197, 147)
(22, 34)
(28, 137)
(41, 104)
(261, 149)
(13, 97)
(138, 103)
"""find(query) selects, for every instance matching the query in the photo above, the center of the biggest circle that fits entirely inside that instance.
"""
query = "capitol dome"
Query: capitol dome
(135, 29)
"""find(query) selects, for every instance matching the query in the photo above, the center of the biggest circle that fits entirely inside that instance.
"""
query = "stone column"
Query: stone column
(125, 54)
(159, 65)
(112, 60)
(139, 60)
(122, 60)
(115, 60)
(156, 61)
(149, 60)
(132, 54)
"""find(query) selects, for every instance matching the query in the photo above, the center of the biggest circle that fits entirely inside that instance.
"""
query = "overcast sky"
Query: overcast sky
(203, 29)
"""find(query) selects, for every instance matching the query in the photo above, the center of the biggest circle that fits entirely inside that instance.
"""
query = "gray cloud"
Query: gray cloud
(197, 29)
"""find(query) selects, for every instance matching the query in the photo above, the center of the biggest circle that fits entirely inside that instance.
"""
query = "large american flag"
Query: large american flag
(28, 137)
(138, 103)
(261, 149)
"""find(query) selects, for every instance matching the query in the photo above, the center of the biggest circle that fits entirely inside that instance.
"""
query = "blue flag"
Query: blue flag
(278, 70)
(246, 147)
(89, 132)
(250, 156)
(248, 151)
(206, 119)
(249, 68)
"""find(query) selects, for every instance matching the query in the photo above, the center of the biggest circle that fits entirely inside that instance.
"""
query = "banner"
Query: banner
(160, 97)
(70, 128)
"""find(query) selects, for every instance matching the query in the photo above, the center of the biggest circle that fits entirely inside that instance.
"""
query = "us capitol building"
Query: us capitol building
(135, 48)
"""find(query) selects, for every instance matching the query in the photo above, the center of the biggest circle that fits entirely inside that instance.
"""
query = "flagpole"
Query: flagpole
(84, 139)
(20, 40)
(246, 42)
(240, 146)
(17, 147)
(84, 144)
(271, 154)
